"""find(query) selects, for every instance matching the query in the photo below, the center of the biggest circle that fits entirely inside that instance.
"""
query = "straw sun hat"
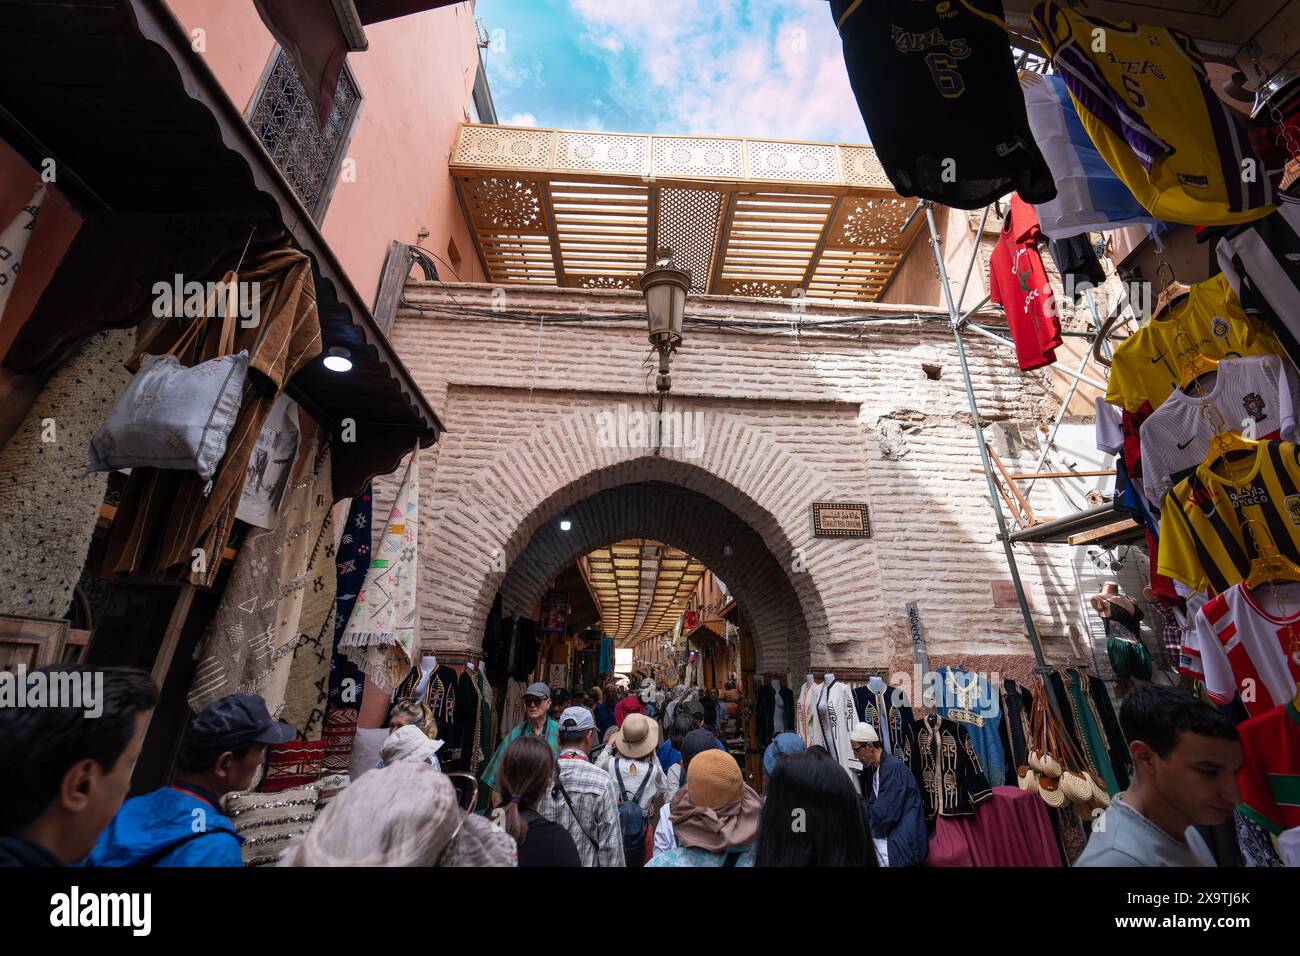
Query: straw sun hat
(714, 780)
(637, 737)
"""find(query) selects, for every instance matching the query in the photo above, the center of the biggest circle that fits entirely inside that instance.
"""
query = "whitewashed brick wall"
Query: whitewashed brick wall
(788, 419)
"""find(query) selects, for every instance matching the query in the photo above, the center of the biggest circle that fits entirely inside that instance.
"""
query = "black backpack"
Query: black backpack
(631, 819)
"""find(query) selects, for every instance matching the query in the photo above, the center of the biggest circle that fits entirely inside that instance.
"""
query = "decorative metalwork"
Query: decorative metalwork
(284, 119)
(870, 222)
(605, 282)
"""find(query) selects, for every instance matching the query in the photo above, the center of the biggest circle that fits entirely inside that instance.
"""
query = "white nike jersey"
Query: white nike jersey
(1262, 390)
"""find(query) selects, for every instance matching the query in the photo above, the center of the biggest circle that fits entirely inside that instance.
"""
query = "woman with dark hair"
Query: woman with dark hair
(813, 789)
(670, 751)
(527, 769)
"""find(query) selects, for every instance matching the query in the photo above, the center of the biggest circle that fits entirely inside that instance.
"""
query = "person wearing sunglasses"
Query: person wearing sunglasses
(537, 722)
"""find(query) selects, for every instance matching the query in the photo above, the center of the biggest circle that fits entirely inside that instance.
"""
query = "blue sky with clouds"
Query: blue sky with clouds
(761, 68)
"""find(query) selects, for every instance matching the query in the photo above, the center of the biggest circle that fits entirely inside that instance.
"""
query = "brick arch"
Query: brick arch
(483, 517)
(684, 519)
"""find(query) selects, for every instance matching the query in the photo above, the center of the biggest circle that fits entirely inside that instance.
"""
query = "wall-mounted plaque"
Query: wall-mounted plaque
(1004, 594)
(838, 519)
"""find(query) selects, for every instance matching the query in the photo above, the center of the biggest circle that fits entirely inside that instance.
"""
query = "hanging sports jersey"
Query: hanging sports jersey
(937, 87)
(1089, 196)
(1018, 282)
(1270, 775)
(1146, 365)
(1189, 659)
(1142, 95)
(1077, 263)
(1260, 390)
(1245, 649)
(1262, 263)
(1203, 541)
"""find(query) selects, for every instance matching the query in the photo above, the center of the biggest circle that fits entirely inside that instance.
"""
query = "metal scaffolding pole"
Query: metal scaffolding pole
(955, 315)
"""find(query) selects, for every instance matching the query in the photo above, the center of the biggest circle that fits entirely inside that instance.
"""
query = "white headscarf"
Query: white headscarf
(408, 743)
(401, 815)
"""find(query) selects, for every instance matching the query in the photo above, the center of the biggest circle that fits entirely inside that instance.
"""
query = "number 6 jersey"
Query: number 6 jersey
(937, 87)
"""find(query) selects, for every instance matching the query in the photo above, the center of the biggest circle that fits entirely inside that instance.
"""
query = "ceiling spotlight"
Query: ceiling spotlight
(726, 551)
(339, 359)
(565, 524)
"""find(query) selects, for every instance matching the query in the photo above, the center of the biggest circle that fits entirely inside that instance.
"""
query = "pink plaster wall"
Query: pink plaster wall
(415, 79)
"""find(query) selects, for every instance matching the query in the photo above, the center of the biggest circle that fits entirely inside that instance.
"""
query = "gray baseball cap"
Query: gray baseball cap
(538, 689)
(577, 718)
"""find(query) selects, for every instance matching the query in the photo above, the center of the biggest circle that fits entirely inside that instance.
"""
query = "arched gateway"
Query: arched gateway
(728, 494)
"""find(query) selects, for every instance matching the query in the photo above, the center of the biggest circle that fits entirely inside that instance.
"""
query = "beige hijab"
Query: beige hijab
(730, 825)
(401, 815)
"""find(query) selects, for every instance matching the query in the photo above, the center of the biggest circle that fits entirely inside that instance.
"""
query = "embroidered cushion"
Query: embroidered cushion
(269, 822)
(171, 416)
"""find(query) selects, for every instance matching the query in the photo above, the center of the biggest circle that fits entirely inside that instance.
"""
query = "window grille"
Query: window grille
(283, 118)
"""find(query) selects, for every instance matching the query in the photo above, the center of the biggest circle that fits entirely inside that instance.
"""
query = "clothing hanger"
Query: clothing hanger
(1172, 294)
(1225, 442)
(1269, 566)
(1192, 363)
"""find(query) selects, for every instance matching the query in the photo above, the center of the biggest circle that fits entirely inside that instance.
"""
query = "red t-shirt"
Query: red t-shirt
(1018, 282)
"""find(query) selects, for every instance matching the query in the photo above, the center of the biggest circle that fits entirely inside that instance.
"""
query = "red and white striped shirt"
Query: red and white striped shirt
(1246, 649)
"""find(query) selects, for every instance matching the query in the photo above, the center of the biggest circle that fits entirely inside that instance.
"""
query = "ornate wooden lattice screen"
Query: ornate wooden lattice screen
(761, 218)
(283, 118)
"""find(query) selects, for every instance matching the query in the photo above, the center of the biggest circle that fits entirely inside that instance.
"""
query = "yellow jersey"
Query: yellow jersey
(1210, 321)
(1203, 540)
(1141, 93)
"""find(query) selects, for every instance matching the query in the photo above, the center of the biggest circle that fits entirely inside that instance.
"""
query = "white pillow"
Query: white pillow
(366, 747)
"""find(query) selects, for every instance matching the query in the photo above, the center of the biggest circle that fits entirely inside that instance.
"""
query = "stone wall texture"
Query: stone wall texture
(542, 391)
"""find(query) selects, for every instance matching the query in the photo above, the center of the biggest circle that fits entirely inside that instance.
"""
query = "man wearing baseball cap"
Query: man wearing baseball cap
(537, 722)
(583, 798)
(182, 825)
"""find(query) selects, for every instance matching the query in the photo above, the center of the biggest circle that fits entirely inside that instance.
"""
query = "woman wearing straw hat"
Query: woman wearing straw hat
(638, 778)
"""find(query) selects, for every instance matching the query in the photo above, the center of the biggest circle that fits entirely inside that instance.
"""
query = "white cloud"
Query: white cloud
(522, 119)
(728, 67)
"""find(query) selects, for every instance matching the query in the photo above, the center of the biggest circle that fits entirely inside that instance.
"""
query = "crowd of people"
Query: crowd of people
(615, 779)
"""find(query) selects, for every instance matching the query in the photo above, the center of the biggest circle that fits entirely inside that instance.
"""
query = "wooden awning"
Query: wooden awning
(748, 217)
(641, 587)
(141, 127)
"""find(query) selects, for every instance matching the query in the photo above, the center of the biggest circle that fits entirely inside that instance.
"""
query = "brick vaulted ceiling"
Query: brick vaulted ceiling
(759, 218)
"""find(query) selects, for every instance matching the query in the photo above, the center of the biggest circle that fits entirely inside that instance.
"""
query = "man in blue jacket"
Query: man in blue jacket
(893, 801)
(182, 825)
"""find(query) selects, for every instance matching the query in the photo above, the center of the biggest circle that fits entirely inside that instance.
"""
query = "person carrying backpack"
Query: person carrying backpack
(639, 782)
